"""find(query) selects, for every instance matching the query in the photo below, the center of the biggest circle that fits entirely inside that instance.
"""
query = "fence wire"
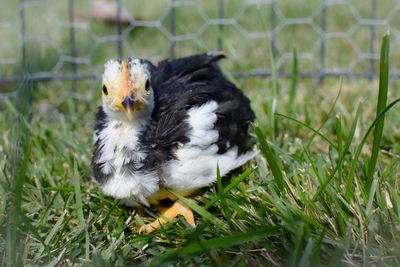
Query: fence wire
(70, 40)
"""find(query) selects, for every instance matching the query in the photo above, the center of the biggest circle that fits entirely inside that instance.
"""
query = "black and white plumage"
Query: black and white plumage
(168, 126)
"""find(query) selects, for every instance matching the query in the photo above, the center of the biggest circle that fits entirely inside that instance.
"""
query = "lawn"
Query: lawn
(310, 198)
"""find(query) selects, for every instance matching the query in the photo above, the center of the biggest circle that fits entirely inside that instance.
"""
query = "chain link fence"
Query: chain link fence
(70, 40)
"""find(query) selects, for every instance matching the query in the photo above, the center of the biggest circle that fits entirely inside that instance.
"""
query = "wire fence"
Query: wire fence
(70, 40)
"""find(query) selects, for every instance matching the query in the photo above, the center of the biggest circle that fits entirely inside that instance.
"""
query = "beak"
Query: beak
(129, 105)
(127, 95)
(127, 102)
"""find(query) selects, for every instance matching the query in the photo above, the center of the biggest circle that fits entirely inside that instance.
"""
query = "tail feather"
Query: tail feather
(169, 68)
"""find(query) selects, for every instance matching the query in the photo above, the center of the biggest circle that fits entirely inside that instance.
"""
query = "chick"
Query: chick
(167, 127)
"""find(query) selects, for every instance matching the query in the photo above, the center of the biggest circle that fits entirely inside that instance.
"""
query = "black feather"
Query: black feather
(190, 82)
(100, 124)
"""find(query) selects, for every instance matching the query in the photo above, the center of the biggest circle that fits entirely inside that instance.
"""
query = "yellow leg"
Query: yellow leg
(178, 208)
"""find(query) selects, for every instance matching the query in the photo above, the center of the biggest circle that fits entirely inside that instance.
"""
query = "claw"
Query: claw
(167, 214)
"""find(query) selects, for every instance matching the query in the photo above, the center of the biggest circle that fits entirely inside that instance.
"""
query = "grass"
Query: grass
(324, 191)
(299, 207)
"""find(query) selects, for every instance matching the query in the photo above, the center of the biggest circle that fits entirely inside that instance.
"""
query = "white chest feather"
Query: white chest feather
(119, 148)
(116, 139)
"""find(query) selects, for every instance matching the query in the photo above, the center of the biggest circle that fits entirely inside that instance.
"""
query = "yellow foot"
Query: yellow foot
(167, 214)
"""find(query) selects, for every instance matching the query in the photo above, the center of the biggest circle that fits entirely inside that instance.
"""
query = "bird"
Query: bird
(167, 127)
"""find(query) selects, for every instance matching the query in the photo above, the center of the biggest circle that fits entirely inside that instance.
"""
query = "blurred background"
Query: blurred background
(70, 40)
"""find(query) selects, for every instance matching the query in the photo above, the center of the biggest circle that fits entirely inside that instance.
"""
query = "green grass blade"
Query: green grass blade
(349, 185)
(271, 158)
(79, 208)
(55, 229)
(19, 160)
(307, 254)
(339, 134)
(382, 100)
(297, 245)
(228, 188)
(293, 83)
(218, 242)
(219, 181)
(78, 196)
(274, 84)
(371, 196)
(226, 210)
(12, 228)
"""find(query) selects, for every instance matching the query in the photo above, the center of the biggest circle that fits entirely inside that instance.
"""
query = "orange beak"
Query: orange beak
(124, 88)
(127, 94)
(125, 101)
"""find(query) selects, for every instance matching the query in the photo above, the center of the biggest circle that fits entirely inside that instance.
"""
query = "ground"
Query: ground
(304, 203)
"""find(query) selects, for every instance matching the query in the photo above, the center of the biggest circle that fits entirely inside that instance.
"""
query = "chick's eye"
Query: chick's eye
(147, 86)
(105, 90)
